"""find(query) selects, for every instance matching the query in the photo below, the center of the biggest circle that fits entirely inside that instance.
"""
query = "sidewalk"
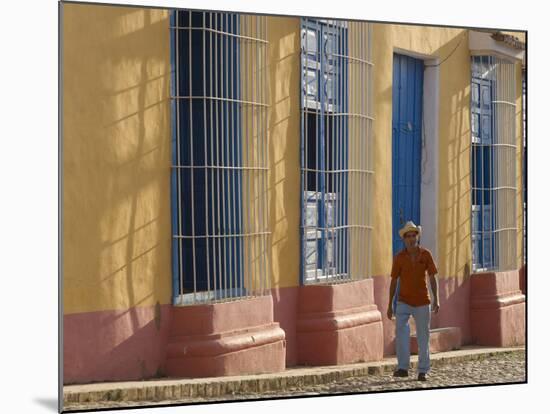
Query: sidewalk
(166, 391)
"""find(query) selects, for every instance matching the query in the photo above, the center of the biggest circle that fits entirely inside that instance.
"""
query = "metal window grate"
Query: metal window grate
(336, 150)
(219, 174)
(494, 226)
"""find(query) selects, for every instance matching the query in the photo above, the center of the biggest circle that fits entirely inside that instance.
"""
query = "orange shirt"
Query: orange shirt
(413, 287)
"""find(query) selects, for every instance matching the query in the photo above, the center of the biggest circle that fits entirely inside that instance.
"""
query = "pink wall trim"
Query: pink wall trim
(230, 338)
(285, 304)
(441, 340)
(132, 344)
(115, 345)
(338, 324)
(497, 309)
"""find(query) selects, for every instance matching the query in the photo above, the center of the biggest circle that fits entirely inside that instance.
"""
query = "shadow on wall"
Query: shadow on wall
(284, 163)
(454, 164)
(116, 179)
(284, 175)
(454, 246)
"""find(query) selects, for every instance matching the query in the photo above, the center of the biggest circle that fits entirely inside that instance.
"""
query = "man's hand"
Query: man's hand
(435, 307)
(390, 312)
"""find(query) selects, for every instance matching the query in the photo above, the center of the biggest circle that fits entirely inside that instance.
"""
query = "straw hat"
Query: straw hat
(410, 226)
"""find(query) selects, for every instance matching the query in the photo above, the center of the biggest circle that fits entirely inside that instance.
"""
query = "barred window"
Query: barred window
(336, 150)
(219, 173)
(493, 106)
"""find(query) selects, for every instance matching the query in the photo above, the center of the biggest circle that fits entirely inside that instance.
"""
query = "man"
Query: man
(410, 266)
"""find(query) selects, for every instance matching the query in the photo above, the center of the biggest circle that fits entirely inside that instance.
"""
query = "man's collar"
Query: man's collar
(420, 249)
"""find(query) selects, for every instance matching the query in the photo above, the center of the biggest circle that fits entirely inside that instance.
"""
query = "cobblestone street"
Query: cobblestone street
(503, 368)
(497, 369)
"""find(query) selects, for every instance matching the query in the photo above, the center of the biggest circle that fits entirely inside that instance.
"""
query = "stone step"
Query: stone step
(441, 340)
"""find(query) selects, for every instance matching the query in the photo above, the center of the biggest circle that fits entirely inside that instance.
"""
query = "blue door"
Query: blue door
(408, 76)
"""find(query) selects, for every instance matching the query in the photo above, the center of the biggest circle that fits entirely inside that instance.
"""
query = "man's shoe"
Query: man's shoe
(401, 373)
(422, 377)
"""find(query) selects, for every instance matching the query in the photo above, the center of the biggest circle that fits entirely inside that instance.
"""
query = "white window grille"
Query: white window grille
(336, 150)
(493, 106)
(219, 174)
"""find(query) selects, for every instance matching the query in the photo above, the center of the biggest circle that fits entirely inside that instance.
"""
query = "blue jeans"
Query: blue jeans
(421, 315)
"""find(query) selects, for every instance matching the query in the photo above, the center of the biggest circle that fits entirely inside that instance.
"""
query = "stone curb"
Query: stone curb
(182, 389)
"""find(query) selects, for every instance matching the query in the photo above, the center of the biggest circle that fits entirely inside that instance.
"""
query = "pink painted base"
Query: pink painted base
(338, 324)
(285, 308)
(441, 340)
(232, 338)
(312, 325)
(497, 309)
(115, 345)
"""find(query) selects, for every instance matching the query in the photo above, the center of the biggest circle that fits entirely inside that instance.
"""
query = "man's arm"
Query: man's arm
(395, 271)
(393, 286)
(435, 290)
(432, 272)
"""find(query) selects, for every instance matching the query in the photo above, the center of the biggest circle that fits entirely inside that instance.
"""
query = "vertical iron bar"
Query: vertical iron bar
(225, 138)
(248, 158)
(231, 173)
(212, 163)
(205, 149)
(219, 195)
(370, 147)
(239, 161)
(338, 108)
(191, 138)
(258, 157)
(178, 145)
(322, 157)
(482, 149)
(263, 48)
(334, 149)
(303, 189)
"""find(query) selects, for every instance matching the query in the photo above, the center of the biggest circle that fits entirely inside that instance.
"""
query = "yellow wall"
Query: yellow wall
(284, 149)
(116, 157)
(116, 152)
(454, 209)
(454, 250)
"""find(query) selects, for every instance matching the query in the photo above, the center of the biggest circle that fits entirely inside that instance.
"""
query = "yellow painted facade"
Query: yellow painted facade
(117, 156)
(454, 199)
(284, 149)
(454, 139)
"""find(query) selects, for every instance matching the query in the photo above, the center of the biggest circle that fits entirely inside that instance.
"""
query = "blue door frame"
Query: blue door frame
(408, 80)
